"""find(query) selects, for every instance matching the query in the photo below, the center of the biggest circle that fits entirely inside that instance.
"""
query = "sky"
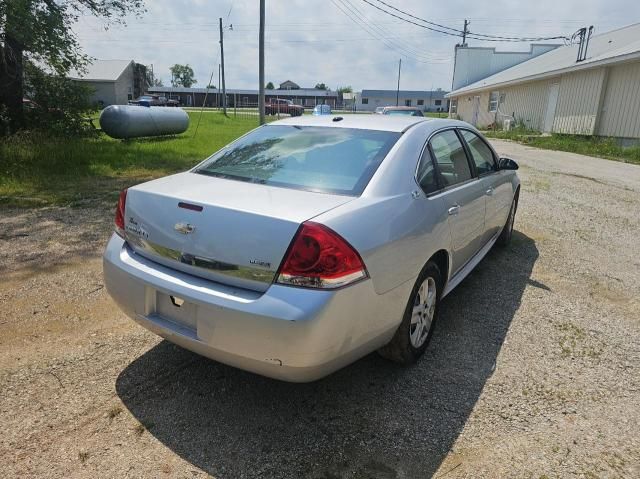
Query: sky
(336, 42)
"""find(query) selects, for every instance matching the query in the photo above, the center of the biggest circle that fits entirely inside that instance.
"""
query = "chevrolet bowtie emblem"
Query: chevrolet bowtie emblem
(184, 228)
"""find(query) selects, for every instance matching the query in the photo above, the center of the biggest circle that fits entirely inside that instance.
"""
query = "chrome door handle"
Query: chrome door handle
(454, 210)
(489, 192)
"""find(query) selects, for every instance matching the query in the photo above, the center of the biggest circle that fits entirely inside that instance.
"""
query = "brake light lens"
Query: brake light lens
(119, 221)
(320, 258)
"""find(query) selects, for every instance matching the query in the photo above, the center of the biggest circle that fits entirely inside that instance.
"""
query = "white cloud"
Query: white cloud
(311, 41)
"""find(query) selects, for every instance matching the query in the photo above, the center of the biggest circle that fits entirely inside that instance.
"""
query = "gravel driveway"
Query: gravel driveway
(533, 370)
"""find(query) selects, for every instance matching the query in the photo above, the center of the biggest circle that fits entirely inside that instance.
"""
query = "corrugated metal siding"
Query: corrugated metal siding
(466, 108)
(578, 102)
(620, 115)
(527, 103)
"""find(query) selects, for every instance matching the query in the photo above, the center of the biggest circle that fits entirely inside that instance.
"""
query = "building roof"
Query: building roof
(610, 47)
(102, 70)
(434, 94)
(288, 83)
(300, 93)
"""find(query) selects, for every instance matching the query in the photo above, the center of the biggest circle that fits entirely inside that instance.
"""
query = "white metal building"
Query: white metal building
(114, 82)
(475, 63)
(434, 100)
(554, 92)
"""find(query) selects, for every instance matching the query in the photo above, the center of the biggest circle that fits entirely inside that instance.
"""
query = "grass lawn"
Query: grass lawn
(437, 114)
(585, 145)
(38, 170)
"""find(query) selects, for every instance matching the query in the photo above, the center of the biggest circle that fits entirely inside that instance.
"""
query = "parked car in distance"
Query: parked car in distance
(153, 100)
(321, 110)
(282, 106)
(311, 242)
(28, 104)
(379, 110)
(401, 111)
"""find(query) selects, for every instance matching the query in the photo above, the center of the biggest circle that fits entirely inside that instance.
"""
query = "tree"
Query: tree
(211, 87)
(157, 82)
(270, 86)
(182, 75)
(344, 89)
(40, 32)
(321, 86)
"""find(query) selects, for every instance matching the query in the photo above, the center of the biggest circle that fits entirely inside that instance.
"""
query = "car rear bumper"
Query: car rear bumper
(288, 333)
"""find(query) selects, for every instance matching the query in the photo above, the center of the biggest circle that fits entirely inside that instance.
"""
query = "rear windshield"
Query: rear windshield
(323, 159)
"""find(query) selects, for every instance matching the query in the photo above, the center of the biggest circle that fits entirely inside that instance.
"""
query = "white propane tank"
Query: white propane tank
(506, 124)
(132, 121)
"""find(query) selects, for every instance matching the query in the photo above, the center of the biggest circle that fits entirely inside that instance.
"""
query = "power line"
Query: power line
(358, 18)
(443, 29)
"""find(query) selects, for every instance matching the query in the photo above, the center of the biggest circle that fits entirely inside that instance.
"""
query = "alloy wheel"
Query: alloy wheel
(423, 311)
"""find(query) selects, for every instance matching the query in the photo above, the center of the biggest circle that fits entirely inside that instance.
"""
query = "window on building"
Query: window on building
(438, 102)
(494, 96)
(453, 108)
(365, 101)
(407, 103)
(420, 102)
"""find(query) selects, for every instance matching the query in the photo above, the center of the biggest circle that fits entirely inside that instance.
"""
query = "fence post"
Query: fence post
(235, 105)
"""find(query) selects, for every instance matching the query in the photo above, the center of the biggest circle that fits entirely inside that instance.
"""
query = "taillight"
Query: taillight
(319, 258)
(120, 213)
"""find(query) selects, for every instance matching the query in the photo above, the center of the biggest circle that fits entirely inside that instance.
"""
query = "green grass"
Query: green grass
(585, 145)
(38, 170)
(437, 114)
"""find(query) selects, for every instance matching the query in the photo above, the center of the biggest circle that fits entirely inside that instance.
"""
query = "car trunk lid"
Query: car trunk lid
(224, 230)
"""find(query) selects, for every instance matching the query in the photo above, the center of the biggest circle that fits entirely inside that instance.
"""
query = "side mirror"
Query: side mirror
(507, 164)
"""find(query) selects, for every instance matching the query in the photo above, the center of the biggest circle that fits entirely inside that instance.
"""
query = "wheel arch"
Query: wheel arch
(442, 259)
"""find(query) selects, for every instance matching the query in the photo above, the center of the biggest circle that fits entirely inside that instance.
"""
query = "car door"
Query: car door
(496, 184)
(463, 196)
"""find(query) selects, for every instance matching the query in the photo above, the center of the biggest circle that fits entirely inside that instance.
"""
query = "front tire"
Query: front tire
(415, 331)
(507, 231)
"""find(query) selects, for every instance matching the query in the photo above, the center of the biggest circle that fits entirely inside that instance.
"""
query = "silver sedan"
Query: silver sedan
(312, 241)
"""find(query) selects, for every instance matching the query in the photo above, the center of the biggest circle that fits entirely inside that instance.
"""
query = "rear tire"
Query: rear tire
(414, 333)
(507, 231)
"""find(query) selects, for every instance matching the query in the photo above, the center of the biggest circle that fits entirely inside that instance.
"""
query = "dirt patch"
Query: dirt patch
(532, 371)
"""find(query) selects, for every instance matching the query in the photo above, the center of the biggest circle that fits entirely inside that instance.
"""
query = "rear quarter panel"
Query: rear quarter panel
(395, 236)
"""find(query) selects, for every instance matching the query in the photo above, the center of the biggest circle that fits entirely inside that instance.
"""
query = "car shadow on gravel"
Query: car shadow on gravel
(372, 419)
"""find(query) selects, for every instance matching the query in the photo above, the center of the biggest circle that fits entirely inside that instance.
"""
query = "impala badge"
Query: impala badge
(184, 228)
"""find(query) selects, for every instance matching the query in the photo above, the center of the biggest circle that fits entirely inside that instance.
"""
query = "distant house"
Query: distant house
(427, 100)
(590, 88)
(114, 82)
(288, 85)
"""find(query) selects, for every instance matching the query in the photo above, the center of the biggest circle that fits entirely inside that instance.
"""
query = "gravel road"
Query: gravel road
(533, 371)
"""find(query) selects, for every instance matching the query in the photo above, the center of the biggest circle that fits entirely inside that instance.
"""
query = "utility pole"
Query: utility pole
(224, 88)
(261, 64)
(465, 31)
(398, 88)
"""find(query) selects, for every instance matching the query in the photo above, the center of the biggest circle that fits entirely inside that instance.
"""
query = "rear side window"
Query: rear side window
(427, 174)
(480, 152)
(450, 158)
(323, 159)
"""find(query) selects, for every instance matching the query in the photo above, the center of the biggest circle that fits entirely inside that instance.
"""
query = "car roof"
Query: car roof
(401, 108)
(362, 121)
